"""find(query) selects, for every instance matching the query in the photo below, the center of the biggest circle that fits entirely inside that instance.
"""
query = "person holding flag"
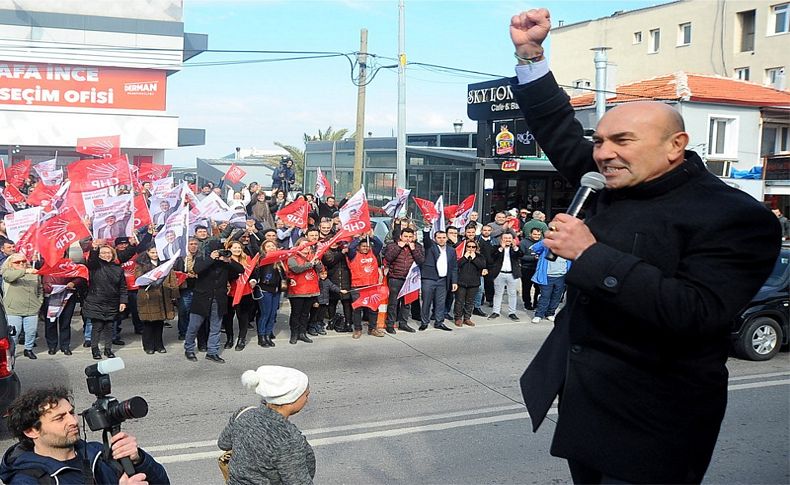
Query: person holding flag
(57, 332)
(155, 301)
(365, 272)
(302, 270)
(270, 281)
(242, 306)
(400, 255)
(23, 298)
(107, 296)
(439, 277)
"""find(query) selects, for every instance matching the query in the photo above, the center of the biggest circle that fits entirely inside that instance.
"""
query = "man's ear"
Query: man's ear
(32, 433)
(677, 146)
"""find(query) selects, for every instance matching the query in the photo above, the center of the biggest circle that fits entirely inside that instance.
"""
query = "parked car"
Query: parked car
(761, 329)
(9, 381)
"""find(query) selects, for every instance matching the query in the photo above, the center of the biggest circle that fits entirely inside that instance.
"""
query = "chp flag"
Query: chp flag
(100, 146)
(410, 290)
(65, 268)
(234, 174)
(91, 174)
(16, 223)
(18, 172)
(371, 297)
(355, 215)
(244, 278)
(57, 301)
(322, 187)
(295, 213)
(427, 208)
(438, 223)
(57, 233)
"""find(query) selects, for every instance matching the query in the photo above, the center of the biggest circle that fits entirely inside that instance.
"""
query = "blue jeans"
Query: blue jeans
(550, 296)
(29, 324)
(215, 324)
(268, 305)
(88, 330)
(479, 294)
(184, 304)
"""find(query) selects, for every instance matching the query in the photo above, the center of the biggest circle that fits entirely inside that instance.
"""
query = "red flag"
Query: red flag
(18, 172)
(27, 242)
(148, 172)
(449, 211)
(371, 297)
(323, 247)
(244, 279)
(13, 195)
(142, 216)
(322, 187)
(181, 277)
(277, 256)
(295, 213)
(427, 208)
(2, 171)
(91, 174)
(234, 174)
(355, 215)
(460, 249)
(65, 268)
(57, 233)
(465, 206)
(42, 194)
(100, 146)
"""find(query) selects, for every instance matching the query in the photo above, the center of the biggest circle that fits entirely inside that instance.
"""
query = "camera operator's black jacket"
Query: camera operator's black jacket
(212, 283)
(21, 467)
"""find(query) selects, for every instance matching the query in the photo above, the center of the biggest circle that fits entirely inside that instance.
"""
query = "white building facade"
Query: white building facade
(74, 69)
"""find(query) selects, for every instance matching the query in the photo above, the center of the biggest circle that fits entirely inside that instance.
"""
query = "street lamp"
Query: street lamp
(458, 125)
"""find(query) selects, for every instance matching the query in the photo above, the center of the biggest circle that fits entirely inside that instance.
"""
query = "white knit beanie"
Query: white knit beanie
(276, 384)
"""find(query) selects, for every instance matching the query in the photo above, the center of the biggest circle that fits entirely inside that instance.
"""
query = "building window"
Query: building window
(655, 41)
(742, 73)
(720, 168)
(723, 137)
(746, 25)
(776, 139)
(684, 34)
(581, 83)
(781, 14)
(774, 77)
(638, 37)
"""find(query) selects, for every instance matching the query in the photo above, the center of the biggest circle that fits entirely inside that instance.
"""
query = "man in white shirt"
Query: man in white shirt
(506, 271)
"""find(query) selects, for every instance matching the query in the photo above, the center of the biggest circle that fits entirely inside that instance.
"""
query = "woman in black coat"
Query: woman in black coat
(107, 296)
(470, 269)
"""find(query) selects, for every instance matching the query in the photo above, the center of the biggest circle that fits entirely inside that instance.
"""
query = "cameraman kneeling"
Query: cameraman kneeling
(50, 448)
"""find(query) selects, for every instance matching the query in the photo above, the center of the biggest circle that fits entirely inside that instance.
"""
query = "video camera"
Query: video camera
(107, 413)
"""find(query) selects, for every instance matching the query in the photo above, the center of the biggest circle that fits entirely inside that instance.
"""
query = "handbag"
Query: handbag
(223, 461)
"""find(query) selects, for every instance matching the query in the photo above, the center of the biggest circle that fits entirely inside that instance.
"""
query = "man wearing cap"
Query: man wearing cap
(267, 446)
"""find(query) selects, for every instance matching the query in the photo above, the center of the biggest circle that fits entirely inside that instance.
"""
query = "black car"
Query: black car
(9, 381)
(761, 329)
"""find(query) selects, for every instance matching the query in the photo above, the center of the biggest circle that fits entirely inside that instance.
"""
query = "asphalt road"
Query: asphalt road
(430, 407)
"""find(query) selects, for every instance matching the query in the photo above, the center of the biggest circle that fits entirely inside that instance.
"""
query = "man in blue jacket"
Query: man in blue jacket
(50, 449)
(439, 276)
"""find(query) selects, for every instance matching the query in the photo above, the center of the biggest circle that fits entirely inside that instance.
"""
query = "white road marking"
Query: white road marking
(458, 423)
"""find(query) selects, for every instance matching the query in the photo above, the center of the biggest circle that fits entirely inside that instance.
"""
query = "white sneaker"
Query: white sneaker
(551, 318)
(536, 320)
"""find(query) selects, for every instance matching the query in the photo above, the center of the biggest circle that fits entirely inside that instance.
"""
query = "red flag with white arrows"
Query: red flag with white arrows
(323, 247)
(18, 172)
(181, 277)
(100, 146)
(460, 249)
(234, 174)
(148, 172)
(27, 242)
(42, 195)
(295, 213)
(355, 215)
(13, 195)
(93, 174)
(57, 233)
(322, 187)
(244, 279)
(371, 297)
(65, 268)
(427, 208)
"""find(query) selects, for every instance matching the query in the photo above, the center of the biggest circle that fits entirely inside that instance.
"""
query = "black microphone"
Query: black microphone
(591, 182)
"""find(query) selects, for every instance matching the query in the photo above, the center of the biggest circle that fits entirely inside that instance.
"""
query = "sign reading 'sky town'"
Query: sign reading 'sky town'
(30, 84)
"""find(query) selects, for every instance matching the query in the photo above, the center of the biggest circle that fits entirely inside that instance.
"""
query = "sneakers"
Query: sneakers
(536, 320)
(550, 318)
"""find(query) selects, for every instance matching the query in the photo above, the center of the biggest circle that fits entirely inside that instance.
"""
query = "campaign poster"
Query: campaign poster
(113, 218)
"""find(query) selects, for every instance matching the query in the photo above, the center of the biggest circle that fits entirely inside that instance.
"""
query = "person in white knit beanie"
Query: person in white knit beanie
(267, 447)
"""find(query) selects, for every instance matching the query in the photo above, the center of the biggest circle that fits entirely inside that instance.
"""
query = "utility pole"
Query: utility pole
(400, 153)
(359, 145)
(600, 81)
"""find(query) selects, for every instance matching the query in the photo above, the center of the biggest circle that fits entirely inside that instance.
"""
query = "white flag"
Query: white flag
(411, 286)
(156, 274)
(438, 224)
(393, 207)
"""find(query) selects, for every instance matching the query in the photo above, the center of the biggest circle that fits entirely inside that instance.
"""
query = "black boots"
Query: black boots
(240, 344)
(265, 341)
(304, 338)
